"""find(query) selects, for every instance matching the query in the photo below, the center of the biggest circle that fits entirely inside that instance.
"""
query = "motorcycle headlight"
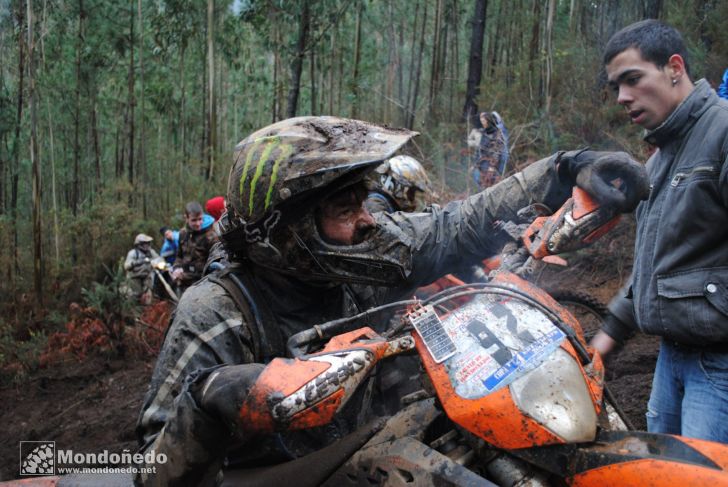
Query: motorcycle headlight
(556, 395)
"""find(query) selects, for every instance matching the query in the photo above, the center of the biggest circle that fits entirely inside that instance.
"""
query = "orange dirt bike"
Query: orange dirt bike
(512, 394)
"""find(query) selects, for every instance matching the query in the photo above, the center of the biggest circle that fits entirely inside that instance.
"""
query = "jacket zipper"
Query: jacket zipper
(683, 175)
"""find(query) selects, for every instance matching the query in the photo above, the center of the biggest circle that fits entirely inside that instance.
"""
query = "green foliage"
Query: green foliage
(109, 299)
(125, 95)
(19, 357)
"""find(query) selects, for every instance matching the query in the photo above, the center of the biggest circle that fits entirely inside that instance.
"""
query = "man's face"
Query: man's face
(484, 120)
(194, 221)
(342, 218)
(170, 236)
(643, 89)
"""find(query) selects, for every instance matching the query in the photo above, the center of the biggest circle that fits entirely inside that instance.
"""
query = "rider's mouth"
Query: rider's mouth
(636, 115)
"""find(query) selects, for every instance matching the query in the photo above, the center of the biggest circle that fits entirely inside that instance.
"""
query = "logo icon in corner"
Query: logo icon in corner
(37, 457)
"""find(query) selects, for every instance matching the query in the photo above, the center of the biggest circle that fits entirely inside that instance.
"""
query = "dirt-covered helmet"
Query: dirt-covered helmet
(142, 238)
(402, 178)
(279, 176)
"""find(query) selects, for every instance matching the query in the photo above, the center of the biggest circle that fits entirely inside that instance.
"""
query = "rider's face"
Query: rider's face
(194, 221)
(342, 218)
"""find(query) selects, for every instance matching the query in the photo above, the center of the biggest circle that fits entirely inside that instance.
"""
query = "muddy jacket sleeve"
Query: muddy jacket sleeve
(621, 323)
(206, 334)
(462, 232)
(132, 260)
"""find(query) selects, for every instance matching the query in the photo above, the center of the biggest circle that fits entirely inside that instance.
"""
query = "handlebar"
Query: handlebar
(578, 223)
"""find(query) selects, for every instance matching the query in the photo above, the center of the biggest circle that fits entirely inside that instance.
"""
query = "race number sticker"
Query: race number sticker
(498, 340)
(430, 329)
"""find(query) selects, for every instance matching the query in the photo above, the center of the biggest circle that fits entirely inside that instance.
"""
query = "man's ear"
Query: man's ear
(676, 66)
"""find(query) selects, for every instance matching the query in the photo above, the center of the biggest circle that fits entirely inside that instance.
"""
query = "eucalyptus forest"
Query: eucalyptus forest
(114, 114)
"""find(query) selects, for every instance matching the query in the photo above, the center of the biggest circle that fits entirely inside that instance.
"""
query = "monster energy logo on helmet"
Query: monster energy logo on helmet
(263, 150)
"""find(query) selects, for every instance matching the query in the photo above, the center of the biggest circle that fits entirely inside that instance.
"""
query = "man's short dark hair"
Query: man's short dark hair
(655, 41)
(193, 208)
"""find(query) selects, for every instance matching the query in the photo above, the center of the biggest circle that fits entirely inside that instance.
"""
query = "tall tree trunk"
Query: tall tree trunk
(435, 64)
(75, 196)
(182, 114)
(454, 61)
(495, 43)
(131, 101)
(411, 66)
(534, 48)
(392, 64)
(20, 17)
(211, 102)
(142, 159)
(97, 147)
(418, 72)
(312, 80)
(118, 159)
(332, 68)
(274, 104)
(56, 232)
(35, 164)
(549, 54)
(401, 98)
(475, 61)
(297, 62)
(357, 57)
(651, 9)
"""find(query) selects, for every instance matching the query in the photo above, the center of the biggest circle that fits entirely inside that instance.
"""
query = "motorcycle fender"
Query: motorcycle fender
(635, 458)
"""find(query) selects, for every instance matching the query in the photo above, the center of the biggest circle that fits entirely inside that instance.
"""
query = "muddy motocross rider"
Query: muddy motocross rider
(303, 251)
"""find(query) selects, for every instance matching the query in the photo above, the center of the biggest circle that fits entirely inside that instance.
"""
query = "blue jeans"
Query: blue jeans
(689, 394)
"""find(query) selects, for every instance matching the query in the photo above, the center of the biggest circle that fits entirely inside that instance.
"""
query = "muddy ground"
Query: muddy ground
(94, 405)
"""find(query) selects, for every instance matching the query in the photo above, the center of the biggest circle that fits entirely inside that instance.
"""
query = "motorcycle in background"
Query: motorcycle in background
(162, 284)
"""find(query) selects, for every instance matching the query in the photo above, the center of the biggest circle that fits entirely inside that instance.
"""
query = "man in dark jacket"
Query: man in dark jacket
(195, 241)
(304, 250)
(679, 285)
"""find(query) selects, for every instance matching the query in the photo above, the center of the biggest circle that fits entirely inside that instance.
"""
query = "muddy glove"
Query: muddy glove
(611, 178)
(223, 393)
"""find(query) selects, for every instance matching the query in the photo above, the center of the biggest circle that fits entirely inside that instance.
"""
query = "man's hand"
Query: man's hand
(603, 343)
(223, 393)
(611, 178)
(176, 273)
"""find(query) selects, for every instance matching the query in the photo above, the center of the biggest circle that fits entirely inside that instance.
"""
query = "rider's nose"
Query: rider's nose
(365, 219)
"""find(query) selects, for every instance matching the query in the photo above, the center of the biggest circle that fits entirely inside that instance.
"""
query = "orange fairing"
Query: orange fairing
(651, 473)
(717, 452)
(307, 392)
(495, 418)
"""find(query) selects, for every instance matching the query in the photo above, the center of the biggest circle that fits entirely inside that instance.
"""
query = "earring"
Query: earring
(674, 82)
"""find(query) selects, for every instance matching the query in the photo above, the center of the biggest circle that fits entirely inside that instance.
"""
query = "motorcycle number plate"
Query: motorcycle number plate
(433, 334)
